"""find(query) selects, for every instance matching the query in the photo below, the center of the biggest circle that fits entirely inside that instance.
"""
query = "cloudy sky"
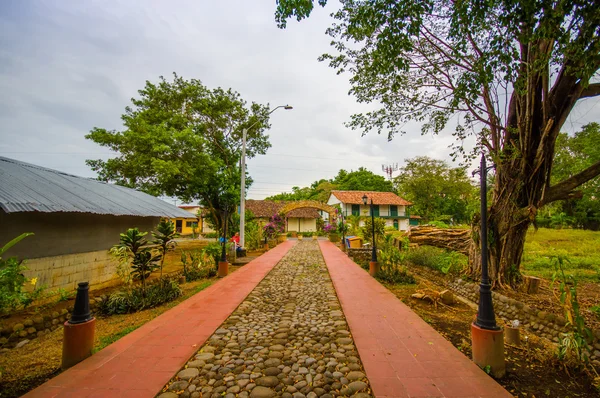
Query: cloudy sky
(68, 66)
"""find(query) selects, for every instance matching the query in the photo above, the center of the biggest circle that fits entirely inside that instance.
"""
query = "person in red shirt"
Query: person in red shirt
(236, 239)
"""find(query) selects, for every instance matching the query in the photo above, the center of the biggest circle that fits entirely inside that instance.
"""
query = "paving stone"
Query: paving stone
(288, 339)
(262, 392)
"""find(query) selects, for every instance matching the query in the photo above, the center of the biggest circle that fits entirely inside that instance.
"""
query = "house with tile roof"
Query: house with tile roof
(298, 220)
(387, 205)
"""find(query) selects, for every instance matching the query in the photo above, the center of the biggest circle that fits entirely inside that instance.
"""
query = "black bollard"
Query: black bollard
(78, 332)
(81, 311)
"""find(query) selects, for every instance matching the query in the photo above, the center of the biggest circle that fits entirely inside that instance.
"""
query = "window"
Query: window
(356, 210)
(394, 211)
(376, 210)
(188, 224)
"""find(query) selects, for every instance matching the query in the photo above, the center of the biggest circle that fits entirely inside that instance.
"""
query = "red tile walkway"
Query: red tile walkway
(403, 356)
(141, 363)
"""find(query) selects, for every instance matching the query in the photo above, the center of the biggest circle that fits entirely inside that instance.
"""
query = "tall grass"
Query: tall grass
(445, 261)
(582, 248)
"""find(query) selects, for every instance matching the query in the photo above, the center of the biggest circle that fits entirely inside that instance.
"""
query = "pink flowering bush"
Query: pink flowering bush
(275, 226)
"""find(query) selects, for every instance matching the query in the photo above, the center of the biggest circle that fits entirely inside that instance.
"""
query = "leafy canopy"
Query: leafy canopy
(183, 139)
(437, 190)
(574, 154)
(359, 180)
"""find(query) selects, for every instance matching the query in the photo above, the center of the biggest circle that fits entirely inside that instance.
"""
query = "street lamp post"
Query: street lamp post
(243, 178)
(373, 265)
(487, 345)
(223, 268)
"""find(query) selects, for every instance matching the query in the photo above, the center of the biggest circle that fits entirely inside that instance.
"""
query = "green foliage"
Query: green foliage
(574, 344)
(391, 260)
(142, 260)
(198, 264)
(360, 180)
(444, 261)
(164, 237)
(213, 251)
(438, 224)
(136, 299)
(581, 247)
(12, 280)
(596, 310)
(574, 154)
(437, 190)
(64, 295)
(182, 139)
(254, 236)
(367, 232)
(211, 235)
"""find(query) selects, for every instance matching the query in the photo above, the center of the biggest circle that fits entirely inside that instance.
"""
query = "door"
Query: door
(396, 225)
(178, 224)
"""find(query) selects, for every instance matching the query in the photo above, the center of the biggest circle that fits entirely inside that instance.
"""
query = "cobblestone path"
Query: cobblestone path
(288, 338)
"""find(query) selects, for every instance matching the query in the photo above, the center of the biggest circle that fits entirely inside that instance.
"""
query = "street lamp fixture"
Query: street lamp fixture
(487, 341)
(373, 266)
(243, 177)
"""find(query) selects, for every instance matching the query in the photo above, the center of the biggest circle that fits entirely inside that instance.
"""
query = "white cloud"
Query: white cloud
(68, 66)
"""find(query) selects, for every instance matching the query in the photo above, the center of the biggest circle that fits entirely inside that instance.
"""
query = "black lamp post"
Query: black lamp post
(374, 251)
(485, 312)
(223, 243)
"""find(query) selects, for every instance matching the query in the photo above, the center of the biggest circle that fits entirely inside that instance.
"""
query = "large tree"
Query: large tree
(508, 72)
(436, 189)
(183, 139)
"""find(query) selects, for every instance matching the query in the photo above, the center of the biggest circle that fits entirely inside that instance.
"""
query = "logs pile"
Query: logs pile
(455, 239)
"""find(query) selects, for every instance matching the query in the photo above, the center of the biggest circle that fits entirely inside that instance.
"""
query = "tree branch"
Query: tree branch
(592, 90)
(564, 189)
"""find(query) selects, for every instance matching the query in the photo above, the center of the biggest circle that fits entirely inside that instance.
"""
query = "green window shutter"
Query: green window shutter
(394, 211)
(376, 210)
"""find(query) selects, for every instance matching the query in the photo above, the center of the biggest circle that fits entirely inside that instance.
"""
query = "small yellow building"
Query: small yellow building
(191, 225)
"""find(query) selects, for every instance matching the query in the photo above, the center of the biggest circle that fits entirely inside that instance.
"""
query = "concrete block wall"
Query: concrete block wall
(65, 271)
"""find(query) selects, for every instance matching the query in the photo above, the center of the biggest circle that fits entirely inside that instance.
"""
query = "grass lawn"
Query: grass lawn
(581, 249)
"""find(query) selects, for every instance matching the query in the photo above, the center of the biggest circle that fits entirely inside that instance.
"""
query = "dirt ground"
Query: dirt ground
(532, 370)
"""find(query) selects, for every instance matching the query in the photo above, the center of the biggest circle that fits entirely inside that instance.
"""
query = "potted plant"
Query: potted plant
(331, 230)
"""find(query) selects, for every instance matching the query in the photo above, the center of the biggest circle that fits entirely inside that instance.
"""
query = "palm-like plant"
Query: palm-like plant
(164, 237)
(143, 262)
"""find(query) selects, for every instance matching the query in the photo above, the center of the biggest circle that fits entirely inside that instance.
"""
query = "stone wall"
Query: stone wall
(360, 256)
(98, 268)
(21, 333)
(540, 323)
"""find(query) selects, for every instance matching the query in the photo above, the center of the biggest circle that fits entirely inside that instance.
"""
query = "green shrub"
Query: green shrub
(367, 231)
(447, 262)
(132, 300)
(164, 237)
(438, 224)
(395, 274)
(12, 280)
(197, 265)
(211, 235)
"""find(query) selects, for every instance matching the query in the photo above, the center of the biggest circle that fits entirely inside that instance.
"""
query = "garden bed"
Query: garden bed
(532, 370)
(22, 369)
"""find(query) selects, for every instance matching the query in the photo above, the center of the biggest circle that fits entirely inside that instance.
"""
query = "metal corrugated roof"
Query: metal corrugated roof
(25, 187)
